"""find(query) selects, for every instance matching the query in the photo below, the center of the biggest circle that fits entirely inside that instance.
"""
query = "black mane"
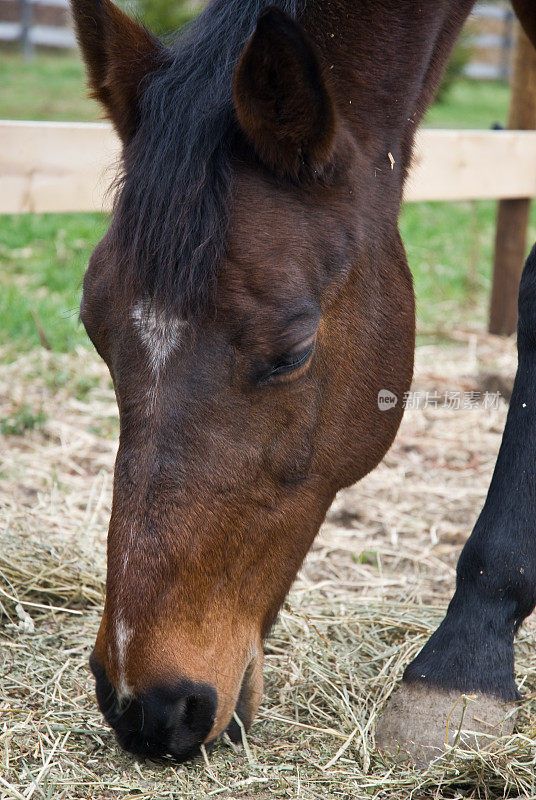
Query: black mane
(172, 207)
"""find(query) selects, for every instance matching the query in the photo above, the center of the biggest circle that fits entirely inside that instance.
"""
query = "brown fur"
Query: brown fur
(526, 14)
(291, 124)
(220, 491)
(119, 55)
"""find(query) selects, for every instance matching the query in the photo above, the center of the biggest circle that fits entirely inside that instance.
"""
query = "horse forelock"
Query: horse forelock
(172, 205)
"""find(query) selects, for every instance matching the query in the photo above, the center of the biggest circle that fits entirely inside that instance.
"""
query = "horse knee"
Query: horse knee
(500, 571)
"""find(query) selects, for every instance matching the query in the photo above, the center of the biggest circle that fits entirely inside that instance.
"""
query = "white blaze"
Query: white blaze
(123, 635)
(160, 336)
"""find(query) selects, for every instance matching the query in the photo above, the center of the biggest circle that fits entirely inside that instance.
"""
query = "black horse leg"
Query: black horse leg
(472, 651)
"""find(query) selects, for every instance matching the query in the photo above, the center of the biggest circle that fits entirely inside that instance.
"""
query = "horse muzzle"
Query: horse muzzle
(165, 720)
(175, 719)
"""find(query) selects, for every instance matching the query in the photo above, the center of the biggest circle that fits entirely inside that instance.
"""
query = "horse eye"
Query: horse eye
(289, 362)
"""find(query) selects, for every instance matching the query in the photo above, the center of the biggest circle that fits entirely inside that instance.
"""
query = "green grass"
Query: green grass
(54, 87)
(50, 87)
(471, 104)
(42, 261)
(43, 257)
(21, 420)
(450, 252)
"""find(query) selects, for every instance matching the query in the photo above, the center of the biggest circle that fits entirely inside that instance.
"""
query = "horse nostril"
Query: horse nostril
(164, 720)
(198, 712)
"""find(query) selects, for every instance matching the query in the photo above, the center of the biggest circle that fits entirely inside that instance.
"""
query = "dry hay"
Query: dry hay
(372, 590)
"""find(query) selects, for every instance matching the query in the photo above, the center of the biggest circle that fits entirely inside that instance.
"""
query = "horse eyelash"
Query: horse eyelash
(290, 362)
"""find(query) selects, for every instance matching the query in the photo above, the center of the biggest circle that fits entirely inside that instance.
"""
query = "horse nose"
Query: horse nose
(163, 720)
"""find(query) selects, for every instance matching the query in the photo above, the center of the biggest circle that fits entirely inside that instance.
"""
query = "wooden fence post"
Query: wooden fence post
(512, 215)
(26, 29)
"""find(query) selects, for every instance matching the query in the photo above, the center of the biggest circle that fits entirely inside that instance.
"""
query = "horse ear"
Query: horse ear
(281, 99)
(119, 54)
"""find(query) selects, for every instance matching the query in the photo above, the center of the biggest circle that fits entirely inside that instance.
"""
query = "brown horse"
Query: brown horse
(251, 299)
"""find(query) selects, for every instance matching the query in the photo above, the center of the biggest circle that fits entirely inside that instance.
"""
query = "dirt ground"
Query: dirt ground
(391, 541)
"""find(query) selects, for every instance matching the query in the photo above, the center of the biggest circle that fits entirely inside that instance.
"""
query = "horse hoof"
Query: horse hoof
(421, 723)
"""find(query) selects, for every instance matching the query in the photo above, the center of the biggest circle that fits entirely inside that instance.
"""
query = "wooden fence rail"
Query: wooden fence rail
(67, 166)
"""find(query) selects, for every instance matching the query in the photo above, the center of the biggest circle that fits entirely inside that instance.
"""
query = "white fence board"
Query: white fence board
(67, 166)
(10, 31)
(56, 166)
(473, 165)
(481, 71)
